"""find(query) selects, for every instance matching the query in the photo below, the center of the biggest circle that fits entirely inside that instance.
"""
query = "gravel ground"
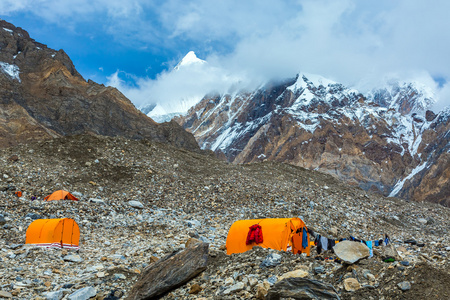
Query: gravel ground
(185, 195)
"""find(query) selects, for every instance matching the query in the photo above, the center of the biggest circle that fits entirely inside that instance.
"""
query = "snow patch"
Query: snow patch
(9, 30)
(11, 70)
(400, 184)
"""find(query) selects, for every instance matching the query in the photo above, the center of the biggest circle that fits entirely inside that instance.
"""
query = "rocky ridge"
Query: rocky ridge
(142, 200)
(43, 96)
(384, 141)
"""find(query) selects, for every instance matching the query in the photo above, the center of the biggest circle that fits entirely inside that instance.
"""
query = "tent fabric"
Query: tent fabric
(60, 195)
(59, 233)
(280, 234)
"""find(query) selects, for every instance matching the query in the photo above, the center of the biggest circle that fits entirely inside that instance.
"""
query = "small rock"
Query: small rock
(404, 285)
(5, 294)
(2, 220)
(96, 200)
(119, 276)
(54, 295)
(33, 216)
(229, 281)
(195, 289)
(295, 273)
(73, 258)
(319, 270)
(351, 284)
(422, 221)
(351, 252)
(271, 260)
(83, 294)
(135, 204)
(405, 263)
(261, 290)
(234, 288)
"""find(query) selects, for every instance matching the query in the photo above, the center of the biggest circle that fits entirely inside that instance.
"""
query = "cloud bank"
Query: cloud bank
(357, 43)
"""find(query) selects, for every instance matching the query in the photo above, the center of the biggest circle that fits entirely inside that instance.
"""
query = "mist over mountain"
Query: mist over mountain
(387, 140)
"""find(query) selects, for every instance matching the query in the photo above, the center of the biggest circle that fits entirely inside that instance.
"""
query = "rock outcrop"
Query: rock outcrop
(43, 96)
(385, 141)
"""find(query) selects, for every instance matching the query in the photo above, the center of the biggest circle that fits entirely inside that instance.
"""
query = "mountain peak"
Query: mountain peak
(189, 59)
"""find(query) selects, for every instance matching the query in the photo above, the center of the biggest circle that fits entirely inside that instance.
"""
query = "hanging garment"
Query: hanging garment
(369, 245)
(254, 235)
(331, 244)
(304, 238)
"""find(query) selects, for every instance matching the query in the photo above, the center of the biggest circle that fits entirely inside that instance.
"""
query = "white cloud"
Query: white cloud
(175, 90)
(354, 42)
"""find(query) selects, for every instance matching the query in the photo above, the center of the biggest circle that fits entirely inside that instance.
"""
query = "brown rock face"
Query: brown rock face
(379, 142)
(42, 96)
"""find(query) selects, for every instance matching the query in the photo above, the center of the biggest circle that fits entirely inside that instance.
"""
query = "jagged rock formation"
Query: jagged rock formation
(43, 96)
(383, 141)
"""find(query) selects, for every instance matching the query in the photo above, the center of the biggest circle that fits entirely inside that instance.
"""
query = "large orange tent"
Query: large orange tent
(280, 234)
(60, 195)
(60, 233)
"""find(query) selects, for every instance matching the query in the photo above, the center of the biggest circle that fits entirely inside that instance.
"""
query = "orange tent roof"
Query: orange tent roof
(278, 234)
(61, 233)
(60, 195)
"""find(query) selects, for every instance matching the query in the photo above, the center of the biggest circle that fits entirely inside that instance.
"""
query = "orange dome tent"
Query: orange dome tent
(60, 233)
(280, 234)
(60, 195)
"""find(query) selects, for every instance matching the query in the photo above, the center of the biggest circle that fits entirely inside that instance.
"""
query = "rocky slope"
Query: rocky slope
(182, 194)
(43, 96)
(385, 141)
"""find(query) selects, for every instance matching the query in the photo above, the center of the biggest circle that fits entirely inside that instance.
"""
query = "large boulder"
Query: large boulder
(170, 272)
(301, 288)
(351, 252)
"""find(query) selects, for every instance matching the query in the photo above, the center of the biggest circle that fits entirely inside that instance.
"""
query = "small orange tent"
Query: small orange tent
(60, 195)
(280, 234)
(60, 233)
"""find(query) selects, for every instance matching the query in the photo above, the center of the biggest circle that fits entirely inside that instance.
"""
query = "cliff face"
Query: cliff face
(43, 96)
(382, 142)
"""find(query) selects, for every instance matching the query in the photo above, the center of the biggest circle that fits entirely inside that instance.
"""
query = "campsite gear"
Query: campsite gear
(59, 233)
(18, 194)
(280, 234)
(254, 235)
(60, 195)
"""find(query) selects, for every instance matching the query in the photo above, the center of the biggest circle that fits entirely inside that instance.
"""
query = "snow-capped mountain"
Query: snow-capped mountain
(176, 104)
(189, 59)
(384, 141)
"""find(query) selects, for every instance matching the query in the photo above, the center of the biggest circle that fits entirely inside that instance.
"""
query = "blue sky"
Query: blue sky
(134, 44)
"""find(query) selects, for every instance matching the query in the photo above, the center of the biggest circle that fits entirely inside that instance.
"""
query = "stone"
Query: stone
(136, 204)
(271, 260)
(195, 289)
(319, 270)
(57, 295)
(389, 251)
(170, 272)
(83, 294)
(351, 252)
(96, 200)
(192, 241)
(422, 221)
(229, 281)
(404, 285)
(2, 220)
(351, 284)
(73, 258)
(120, 276)
(234, 288)
(261, 290)
(405, 263)
(295, 273)
(5, 294)
(301, 288)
